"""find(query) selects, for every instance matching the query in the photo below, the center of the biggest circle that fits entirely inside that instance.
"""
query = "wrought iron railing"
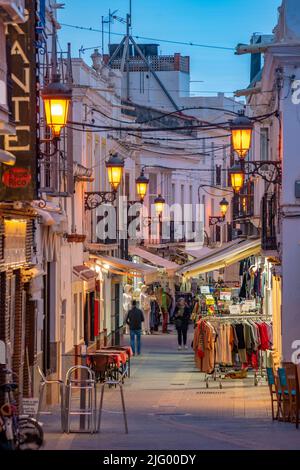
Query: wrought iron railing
(268, 222)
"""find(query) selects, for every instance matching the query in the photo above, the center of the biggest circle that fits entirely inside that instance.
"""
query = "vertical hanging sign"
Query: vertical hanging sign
(19, 183)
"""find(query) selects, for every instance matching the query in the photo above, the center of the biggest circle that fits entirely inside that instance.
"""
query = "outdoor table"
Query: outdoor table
(119, 357)
(128, 351)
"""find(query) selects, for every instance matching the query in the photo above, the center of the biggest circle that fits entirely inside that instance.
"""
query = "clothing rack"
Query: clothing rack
(217, 373)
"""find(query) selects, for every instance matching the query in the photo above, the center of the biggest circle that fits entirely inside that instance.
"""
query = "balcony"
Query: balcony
(243, 203)
(268, 222)
(12, 11)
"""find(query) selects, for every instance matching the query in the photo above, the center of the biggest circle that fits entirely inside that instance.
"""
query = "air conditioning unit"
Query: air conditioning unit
(12, 11)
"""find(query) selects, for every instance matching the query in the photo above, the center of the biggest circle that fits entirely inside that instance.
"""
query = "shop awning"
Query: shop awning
(124, 266)
(199, 252)
(222, 257)
(84, 273)
(154, 259)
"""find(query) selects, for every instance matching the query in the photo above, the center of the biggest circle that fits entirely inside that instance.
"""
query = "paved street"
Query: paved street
(170, 408)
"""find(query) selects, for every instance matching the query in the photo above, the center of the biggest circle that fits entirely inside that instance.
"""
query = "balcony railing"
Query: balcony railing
(243, 203)
(268, 222)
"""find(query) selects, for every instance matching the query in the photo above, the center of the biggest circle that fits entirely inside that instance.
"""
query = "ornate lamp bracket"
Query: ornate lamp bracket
(214, 220)
(98, 198)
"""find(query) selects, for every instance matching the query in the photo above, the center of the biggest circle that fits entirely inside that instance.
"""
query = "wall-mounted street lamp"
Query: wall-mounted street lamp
(224, 205)
(115, 168)
(159, 203)
(215, 220)
(57, 97)
(241, 133)
(142, 184)
(237, 177)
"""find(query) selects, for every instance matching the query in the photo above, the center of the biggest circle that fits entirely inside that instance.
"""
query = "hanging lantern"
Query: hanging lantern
(57, 97)
(241, 132)
(159, 204)
(115, 166)
(142, 186)
(224, 205)
(237, 178)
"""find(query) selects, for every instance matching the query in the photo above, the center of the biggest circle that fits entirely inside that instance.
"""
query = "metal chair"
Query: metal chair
(110, 383)
(43, 385)
(83, 380)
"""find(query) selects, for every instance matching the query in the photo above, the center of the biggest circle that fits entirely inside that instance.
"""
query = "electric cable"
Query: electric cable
(167, 41)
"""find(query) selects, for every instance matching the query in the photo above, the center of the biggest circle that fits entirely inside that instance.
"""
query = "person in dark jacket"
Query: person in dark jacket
(134, 319)
(182, 315)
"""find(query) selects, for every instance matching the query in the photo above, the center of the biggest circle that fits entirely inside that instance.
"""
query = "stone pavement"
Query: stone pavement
(169, 408)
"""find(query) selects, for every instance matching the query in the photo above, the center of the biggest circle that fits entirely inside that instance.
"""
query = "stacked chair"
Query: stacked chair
(285, 392)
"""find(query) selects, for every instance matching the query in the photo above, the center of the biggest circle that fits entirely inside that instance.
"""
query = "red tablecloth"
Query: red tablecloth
(120, 357)
(127, 349)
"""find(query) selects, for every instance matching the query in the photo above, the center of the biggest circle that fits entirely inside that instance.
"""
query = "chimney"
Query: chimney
(97, 60)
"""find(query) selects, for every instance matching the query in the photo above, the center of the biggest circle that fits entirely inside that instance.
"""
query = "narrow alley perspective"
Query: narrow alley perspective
(149, 231)
(169, 407)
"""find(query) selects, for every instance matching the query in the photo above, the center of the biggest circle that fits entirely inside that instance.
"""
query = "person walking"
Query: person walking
(134, 319)
(182, 314)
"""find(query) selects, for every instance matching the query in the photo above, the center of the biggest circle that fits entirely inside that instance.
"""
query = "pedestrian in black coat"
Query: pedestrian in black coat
(182, 315)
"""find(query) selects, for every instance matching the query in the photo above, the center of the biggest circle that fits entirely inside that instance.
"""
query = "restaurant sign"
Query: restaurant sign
(19, 183)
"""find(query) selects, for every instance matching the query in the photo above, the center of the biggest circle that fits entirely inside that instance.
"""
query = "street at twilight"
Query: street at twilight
(149, 229)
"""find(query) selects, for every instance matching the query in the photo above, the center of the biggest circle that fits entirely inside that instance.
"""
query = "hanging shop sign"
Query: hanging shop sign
(19, 183)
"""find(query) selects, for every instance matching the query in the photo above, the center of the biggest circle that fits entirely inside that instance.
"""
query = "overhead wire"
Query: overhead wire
(167, 41)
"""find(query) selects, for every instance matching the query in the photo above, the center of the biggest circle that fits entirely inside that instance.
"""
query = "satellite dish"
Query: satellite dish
(2, 353)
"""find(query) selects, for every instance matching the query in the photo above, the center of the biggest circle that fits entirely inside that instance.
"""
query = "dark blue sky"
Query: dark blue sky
(214, 22)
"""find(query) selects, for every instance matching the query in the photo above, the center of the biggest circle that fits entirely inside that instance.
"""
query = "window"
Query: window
(182, 196)
(218, 181)
(127, 185)
(152, 188)
(191, 194)
(264, 144)
(173, 193)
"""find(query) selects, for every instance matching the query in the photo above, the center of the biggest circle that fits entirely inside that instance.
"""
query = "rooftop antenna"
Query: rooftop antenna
(124, 46)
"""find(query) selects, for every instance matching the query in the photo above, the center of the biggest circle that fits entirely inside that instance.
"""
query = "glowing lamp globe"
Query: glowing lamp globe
(237, 178)
(142, 186)
(115, 167)
(57, 97)
(224, 205)
(159, 204)
(241, 132)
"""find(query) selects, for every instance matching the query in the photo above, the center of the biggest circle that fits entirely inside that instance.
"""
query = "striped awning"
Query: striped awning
(221, 258)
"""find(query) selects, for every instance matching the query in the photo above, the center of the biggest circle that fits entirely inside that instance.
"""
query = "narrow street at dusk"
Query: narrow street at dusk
(169, 407)
(149, 231)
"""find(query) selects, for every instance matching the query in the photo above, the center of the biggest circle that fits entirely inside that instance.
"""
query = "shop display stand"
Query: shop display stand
(220, 370)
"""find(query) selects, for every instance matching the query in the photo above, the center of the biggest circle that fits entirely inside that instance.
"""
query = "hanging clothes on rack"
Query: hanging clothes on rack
(204, 346)
(231, 342)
